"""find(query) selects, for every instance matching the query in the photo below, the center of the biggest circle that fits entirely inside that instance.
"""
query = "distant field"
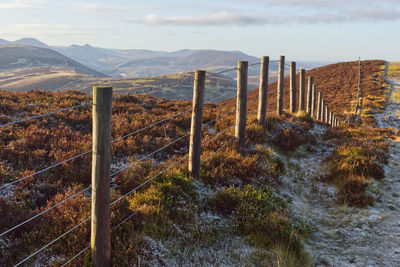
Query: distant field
(175, 86)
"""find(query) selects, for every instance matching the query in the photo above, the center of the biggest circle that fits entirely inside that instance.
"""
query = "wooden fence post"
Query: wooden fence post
(302, 90)
(330, 118)
(293, 87)
(319, 108)
(241, 105)
(281, 80)
(197, 123)
(323, 111)
(326, 114)
(263, 91)
(100, 218)
(309, 94)
(313, 98)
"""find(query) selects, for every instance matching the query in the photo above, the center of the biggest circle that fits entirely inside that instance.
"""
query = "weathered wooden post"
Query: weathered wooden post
(319, 108)
(313, 98)
(101, 147)
(326, 120)
(330, 118)
(309, 94)
(197, 123)
(302, 103)
(263, 91)
(281, 80)
(323, 111)
(293, 87)
(241, 105)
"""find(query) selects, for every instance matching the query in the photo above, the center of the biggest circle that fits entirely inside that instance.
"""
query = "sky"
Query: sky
(304, 30)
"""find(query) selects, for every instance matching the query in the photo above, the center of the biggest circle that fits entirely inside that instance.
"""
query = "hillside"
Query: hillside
(216, 60)
(261, 207)
(132, 63)
(16, 57)
(26, 41)
(338, 84)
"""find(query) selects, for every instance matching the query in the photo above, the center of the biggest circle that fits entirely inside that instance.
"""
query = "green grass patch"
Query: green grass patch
(260, 215)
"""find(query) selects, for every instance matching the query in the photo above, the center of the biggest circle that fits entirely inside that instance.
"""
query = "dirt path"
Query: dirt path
(348, 236)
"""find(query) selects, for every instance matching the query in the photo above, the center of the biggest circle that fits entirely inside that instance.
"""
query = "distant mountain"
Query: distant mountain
(31, 42)
(100, 59)
(133, 63)
(188, 61)
(15, 56)
(139, 62)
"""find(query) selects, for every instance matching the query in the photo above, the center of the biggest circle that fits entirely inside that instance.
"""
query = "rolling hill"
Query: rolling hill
(24, 56)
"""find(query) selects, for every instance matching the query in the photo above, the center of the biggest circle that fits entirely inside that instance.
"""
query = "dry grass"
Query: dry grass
(33, 145)
(357, 159)
(394, 70)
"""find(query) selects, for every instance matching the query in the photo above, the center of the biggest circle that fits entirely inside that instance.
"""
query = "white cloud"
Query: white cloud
(229, 18)
(97, 8)
(55, 31)
(20, 4)
(219, 18)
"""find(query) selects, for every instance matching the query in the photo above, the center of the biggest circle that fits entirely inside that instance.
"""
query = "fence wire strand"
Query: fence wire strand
(148, 180)
(45, 169)
(116, 140)
(219, 149)
(149, 155)
(45, 211)
(45, 115)
(52, 242)
(76, 256)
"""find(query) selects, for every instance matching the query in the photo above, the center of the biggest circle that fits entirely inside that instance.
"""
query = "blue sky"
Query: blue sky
(311, 30)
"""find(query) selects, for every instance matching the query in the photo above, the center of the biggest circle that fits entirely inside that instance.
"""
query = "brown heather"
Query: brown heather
(170, 200)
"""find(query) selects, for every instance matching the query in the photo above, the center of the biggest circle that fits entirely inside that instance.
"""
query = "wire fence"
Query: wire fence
(45, 114)
(46, 169)
(124, 168)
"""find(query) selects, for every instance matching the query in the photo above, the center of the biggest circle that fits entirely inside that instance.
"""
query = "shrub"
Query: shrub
(166, 201)
(230, 167)
(260, 216)
(358, 159)
(352, 192)
(255, 133)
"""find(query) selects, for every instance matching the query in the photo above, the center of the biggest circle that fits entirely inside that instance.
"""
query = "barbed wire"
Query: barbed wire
(46, 114)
